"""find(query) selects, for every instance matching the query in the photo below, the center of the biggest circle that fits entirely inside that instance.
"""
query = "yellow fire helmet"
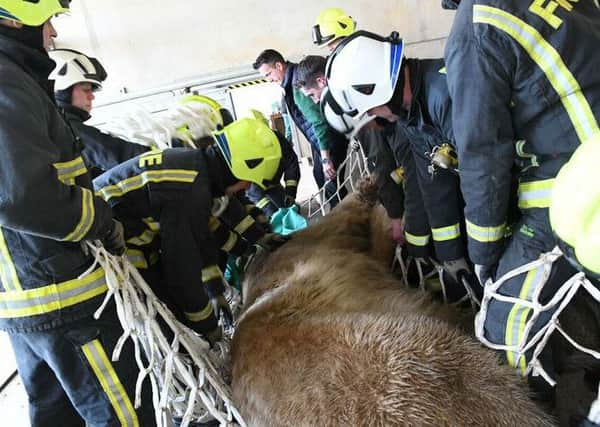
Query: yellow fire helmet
(215, 108)
(575, 207)
(32, 13)
(258, 115)
(251, 150)
(331, 24)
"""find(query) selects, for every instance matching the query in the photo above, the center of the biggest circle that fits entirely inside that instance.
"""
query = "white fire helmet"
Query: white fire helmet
(74, 67)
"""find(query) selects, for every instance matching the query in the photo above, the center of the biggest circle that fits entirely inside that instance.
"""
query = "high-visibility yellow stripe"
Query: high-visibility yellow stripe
(136, 182)
(106, 375)
(152, 224)
(8, 272)
(87, 217)
(230, 243)
(68, 171)
(535, 194)
(485, 234)
(291, 183)
(213, 223)
(549, 61)
(143, 239)
(136, 258)
(263, 202)
(415, 240)
(32, 302)
(443, 234)
(210, 273)
(244, 225)
(442, 70)
(199, 316)
(517, 318)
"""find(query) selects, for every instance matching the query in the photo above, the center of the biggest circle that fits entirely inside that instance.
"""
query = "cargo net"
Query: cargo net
(356, 168)
(430, 277)
(187, 377)
(536, 342)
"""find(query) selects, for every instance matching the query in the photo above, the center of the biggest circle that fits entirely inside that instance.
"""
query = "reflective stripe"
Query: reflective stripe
(104, 371)
(8, 273)
(262, 202)
(549, 61)
(443, 234)
(152, 224)
(52, 297)
(210, 273)
(87, 217)
(517, 318)
(291, 183)
(485, 234)
(442, 70)
(136, 182)
(244, 225)
(213, 223)
(417, 240)
(143, 239)
(137, 258)
(535, 194)
(199, 316)
(68, 171)
(230, 243)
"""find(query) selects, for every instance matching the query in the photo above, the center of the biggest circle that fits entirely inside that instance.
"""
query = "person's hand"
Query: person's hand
(214, 336)
(398, 231)
(288, 201)
(114, 240)
(329, 169)
(221, 308)
(272, 241)
(483, 273)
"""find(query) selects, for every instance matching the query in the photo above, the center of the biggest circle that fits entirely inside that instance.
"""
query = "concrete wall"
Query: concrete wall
(146, 44)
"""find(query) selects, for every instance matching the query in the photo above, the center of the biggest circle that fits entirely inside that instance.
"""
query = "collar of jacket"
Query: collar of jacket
(220, 174)
(416, 79)
(450, 4)
(290, 76)
(72, 112)
(35, 63)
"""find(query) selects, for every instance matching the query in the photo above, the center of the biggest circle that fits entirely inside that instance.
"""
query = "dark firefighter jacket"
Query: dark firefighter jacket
(525, 88)
(46, 205)
(101, 151)
(177, 195)
(429, 125)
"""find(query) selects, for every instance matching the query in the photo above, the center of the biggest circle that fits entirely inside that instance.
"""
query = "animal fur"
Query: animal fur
(328, 337)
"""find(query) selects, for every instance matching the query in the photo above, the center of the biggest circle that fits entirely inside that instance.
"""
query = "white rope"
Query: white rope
(188, 385)
(559, 301)
(355, 161)
(594, 415)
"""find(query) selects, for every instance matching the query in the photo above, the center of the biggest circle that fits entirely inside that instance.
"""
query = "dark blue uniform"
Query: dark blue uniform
(525, 87)
(47, 208)
(171, 205)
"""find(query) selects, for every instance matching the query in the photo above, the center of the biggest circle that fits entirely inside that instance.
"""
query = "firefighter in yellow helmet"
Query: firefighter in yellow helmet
(48, 288)
(331, 26)
(180, 210)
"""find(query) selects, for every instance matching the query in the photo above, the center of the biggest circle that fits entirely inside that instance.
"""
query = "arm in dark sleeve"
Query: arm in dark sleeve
(104, 151)
(382, 165)
(480, 88)
(32, 198)
(240, 222)
(290, 166)
(443, 203)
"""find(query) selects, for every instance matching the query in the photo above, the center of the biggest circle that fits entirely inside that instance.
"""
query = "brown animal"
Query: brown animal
(328, 337)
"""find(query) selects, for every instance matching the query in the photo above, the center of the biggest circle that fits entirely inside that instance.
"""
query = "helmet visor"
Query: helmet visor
(318, 38)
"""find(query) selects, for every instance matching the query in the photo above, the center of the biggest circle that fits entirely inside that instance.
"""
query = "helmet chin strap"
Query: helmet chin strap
(403, 95)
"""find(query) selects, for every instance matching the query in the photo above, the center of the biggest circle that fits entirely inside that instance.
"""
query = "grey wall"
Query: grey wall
(146, 44)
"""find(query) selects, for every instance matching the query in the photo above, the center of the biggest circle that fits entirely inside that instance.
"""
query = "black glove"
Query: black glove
(221, 307)
(114, 240)
(289, 201)
(214, 336)
(272, 241)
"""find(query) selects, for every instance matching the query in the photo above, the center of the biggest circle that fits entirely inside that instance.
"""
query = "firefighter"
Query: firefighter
(413, 97)
(331, 26)
(176, 202)
(76, 78)
(276, 196)
(525, 87)
(48, 295)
